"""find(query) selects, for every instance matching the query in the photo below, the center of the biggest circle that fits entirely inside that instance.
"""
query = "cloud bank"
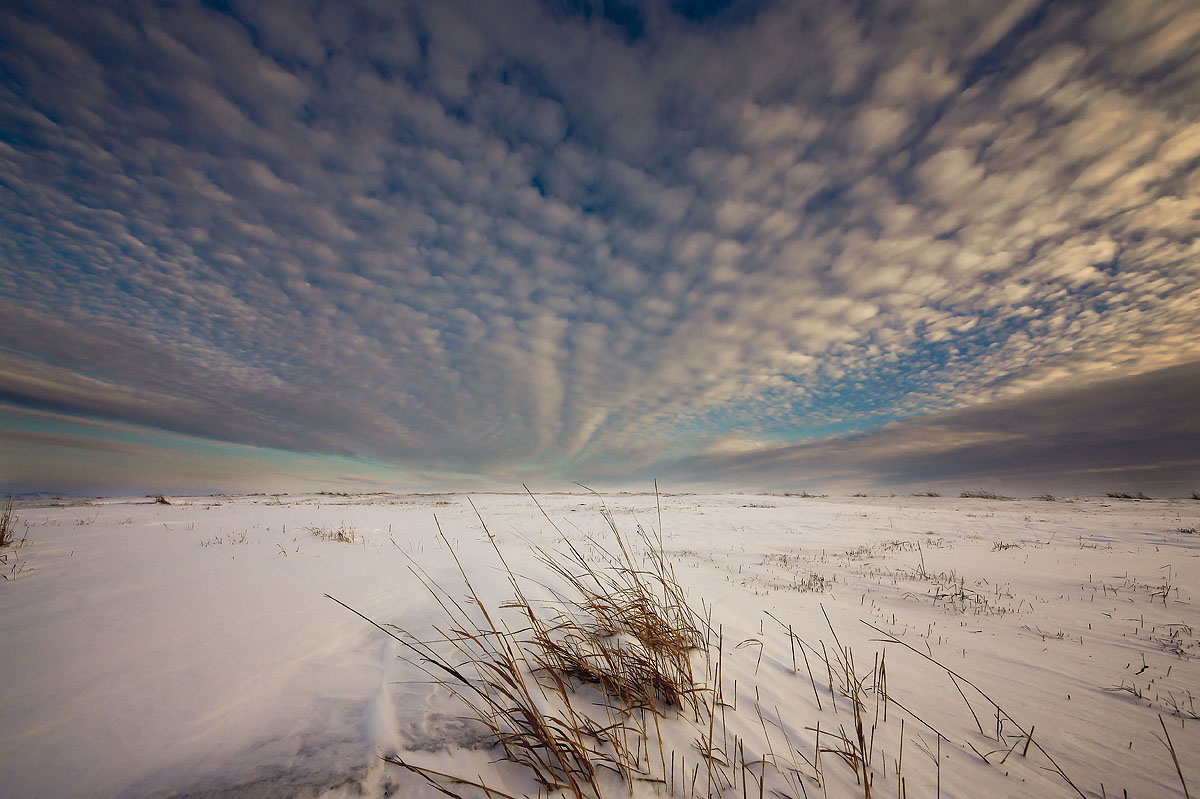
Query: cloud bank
(1115, 435)
(525, 239)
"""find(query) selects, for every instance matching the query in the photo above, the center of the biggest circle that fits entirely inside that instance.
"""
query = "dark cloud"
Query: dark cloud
(579, 238)
(1131, 433)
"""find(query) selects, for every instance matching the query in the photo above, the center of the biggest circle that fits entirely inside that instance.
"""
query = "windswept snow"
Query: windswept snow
(189, 650)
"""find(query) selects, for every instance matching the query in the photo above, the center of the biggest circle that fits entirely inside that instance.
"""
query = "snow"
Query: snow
(189, 649)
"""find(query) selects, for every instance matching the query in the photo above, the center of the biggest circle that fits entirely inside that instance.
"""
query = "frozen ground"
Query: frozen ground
(189, 650)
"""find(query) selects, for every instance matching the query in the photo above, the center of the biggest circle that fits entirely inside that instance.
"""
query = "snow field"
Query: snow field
(188, 649)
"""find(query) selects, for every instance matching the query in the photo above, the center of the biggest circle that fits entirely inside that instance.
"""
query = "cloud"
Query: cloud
(27, 437)
(499, 238)
(1140, 430)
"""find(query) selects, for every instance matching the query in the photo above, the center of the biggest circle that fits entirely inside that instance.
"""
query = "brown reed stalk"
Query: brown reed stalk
(1174, 757)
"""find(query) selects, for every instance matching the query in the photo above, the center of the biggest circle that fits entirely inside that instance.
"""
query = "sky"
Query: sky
(426, 245)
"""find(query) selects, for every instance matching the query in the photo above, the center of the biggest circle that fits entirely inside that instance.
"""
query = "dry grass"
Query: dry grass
(343, 534)
(10, 565)
(623, 629)
(627, 627)
(1003, 719)
(1184, 707)
(982, 494)
(582, 685)
(7, 534)
(1174, 756)
(575, 678)
(577, 689)
(1126, 495)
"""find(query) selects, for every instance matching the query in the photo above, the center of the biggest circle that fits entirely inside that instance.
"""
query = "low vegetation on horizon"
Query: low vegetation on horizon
(983, 494)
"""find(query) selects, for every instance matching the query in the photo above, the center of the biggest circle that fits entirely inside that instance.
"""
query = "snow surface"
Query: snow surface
(189, 650)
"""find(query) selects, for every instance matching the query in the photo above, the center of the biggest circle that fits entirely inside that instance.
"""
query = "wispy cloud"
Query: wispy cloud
(73, 442)
(45, 451)
(505, 239)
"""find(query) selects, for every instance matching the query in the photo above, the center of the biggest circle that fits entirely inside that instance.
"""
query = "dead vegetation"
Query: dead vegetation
(983, 494)
(585, 676)
(342, 534)
(7, 533)
(622, 628)
(10, 564)
(1006, 727)
(578, 689)
(1182, 706)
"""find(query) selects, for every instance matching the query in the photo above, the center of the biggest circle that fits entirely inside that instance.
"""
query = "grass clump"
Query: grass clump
(7, 524)
(342, 534)
(982, 494)
(619, 626)
(12, 566)
(630, 630)
(1126, 495)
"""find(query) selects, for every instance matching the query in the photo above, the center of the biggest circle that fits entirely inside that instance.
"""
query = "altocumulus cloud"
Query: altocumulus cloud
(524, 239)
